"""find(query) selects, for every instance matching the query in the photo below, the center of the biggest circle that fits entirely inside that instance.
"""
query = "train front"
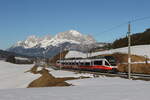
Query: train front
(112, 62)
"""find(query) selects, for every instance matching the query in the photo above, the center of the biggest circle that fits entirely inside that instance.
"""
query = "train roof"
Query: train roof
(80, 60)
(93, 57)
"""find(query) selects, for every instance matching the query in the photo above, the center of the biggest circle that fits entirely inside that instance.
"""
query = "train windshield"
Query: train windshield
(106, 63)
(111, 60)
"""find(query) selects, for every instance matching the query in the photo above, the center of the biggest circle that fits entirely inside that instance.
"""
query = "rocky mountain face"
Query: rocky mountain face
(49, 46)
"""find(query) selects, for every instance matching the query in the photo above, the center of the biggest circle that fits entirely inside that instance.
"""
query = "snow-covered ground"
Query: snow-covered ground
(14, 76)
(61, 73)
(21, 58)
(142, 50)
(101, 88)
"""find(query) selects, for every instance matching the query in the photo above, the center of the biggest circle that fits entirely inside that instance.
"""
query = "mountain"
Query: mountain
(32, 41)
(5, 54)
(49, 46)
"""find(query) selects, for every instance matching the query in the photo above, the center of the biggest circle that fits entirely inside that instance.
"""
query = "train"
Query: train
(100, 64)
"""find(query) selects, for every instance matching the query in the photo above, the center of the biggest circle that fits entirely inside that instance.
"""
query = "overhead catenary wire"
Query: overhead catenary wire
(140, 19)
(125, 23)
(115, 27)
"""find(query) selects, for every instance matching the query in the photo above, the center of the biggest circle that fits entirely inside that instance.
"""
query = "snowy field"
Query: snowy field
(13, 81)
(13, 76)
(141, 50)
(61, 73)
(101, 88)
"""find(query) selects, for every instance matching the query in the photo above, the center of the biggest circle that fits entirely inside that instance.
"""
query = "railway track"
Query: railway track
(134, 76)
(141, 76)
(123, 75)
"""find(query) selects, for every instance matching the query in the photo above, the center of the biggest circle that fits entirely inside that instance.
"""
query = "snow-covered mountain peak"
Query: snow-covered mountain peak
(74, 33)
(70, 40)
(71, 36)
(30, 42)
(32, 38)
(68, 34)
(47, 37)
(75, 36)
(18, 43)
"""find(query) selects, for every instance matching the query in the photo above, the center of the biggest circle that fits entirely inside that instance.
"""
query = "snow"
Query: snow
(71, 36)
(56, 42)
(31, 41)
(75, 33)
(13, 81)
(102, 88)
(141, 50)
(77, 54)
(61, 73)
(21, 58)
(14, 76)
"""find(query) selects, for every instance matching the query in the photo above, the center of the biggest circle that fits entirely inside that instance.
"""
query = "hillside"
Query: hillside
(15, 58)
(140, 50)
(136, 39)
(139, 56)
(57, 57)
(4, 54)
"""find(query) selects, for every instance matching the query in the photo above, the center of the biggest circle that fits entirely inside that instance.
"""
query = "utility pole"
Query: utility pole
(87, 52)
(129, 50)
(44, 59)
(60, 58)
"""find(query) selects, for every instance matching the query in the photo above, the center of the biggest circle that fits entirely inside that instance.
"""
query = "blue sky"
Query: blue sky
(21, 18)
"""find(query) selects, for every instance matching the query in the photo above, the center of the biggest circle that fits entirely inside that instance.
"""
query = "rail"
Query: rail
(134, 76)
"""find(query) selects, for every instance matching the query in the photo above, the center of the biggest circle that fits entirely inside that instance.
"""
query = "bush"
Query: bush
(11, 59)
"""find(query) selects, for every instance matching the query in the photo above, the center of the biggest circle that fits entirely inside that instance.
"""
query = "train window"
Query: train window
(73, 63)
(97, 62)
(106, 63)
(81, 63)
(87, 63)
(77, 63)
(110, 59)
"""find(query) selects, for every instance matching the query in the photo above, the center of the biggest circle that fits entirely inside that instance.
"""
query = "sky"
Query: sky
(22, 18)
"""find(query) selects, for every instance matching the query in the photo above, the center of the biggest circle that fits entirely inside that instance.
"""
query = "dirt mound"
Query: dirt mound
(47, 79)
(135, 68)
(122, 60)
